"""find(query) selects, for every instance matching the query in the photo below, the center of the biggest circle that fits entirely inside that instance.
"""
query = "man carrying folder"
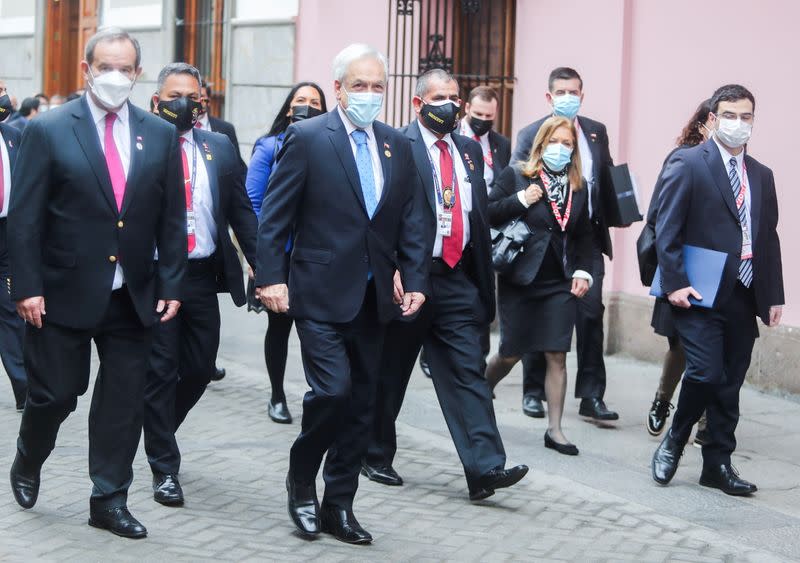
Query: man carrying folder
(716, 197)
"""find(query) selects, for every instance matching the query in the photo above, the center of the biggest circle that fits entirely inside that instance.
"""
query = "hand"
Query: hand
(412, 301)
(274, 297)
(533, 193)
(398, 288)
(169, 308)
(680, 297)
(250, 273)
(579, 287)
(775, 313)
(32, 310)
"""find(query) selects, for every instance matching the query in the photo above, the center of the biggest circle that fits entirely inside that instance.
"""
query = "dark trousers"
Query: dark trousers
(276, 349)
(181, 365)
(718, 345)
(590, 380)
(448, 327)
(12, 330)
(57, 362)
(341, 366)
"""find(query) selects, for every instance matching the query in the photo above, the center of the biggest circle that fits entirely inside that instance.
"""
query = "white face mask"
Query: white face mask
(112, 89)
(734, 132)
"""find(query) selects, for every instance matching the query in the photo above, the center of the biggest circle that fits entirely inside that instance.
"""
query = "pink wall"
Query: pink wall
(646, 66)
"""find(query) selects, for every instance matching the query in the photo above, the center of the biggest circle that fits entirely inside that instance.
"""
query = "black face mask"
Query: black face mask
(299, 113)
(6, 108)
(439, 119)
(181, 112)
(480, 126)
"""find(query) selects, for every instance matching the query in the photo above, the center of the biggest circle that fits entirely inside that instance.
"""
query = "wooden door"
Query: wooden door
(68, 26)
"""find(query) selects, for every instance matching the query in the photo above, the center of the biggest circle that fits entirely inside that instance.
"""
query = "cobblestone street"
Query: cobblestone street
(600, 506)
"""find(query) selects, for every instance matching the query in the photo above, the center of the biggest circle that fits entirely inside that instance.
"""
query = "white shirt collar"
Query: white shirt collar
(204, 121)
(99, 114)
(189, 136)
(726, 156)
(350, 126)
(430, 139)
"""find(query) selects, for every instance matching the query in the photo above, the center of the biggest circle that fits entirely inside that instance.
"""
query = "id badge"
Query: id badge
(190, 225)
(445, 219)
(747, 243)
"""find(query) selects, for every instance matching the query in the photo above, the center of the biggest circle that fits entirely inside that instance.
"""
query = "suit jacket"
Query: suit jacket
(316, 193)
(11, 137)
(545, 232)
(18, 122)
(231, 208)
(501, 151)
(65, 231)
(226, 128)
(597, 137)
(480, 243)
(696, 207)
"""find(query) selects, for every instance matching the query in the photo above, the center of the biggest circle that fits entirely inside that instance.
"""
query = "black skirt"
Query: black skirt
(662, 322)
(539, 317)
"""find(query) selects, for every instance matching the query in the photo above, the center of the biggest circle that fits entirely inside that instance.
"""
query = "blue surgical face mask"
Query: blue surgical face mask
(363, 107)
(566, 105)
(556, 156)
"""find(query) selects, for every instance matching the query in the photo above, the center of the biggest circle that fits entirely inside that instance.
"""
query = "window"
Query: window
(198, 41)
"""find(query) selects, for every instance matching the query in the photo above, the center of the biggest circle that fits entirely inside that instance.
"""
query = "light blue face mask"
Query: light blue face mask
(363, 107)
(566, 105)
(556, 156)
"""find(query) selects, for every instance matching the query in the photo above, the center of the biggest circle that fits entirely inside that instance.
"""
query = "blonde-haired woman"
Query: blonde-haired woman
(537, 298)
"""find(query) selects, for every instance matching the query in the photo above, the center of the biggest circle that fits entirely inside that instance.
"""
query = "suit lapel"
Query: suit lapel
(717, 169)
(86, 133)
(212, 171)
(385, 155)
(754, 185)
(341, 144)
(422, 160)
(138, 139)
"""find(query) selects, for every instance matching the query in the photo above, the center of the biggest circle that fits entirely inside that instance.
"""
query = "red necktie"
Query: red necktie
(187, 185)
(114, 163)
(452, 246)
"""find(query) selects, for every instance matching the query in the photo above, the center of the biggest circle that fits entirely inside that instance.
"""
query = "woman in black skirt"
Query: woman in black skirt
(537, 299)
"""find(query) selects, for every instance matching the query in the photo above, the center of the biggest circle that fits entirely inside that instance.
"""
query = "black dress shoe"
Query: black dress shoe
(725, 478)
(666, 458)
(423, 363)
(167, 489)
(342, 524)
(596, 409)
(24, 482)
(657, 417)
(566, 449)
(219, 373)
(279, 412)
(532, 406)
(117, 521)
(303, 507)
(496, 479)
(384, 474)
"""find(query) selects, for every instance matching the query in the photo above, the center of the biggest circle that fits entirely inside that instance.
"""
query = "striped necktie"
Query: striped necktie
(746, 265)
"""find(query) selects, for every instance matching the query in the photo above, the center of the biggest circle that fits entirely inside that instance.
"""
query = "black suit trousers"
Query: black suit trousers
(722, 342)
(590, 380)
(341, 365)
(57, 360)
(448, 327)
(181, 365)
(12, 329)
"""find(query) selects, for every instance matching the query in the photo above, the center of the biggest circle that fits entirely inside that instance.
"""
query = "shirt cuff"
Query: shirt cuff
(583, 275)
(521, 198)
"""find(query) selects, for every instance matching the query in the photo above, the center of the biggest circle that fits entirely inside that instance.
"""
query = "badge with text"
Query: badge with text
(445, 221)
(190, 222)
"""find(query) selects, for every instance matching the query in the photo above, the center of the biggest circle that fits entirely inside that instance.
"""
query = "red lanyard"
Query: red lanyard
(562, 221)
(743, 190)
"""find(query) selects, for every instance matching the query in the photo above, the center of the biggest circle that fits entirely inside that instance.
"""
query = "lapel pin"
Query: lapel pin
(387, 153)
(139, 145)
(469, 162)
(593, 136)
(208, 151)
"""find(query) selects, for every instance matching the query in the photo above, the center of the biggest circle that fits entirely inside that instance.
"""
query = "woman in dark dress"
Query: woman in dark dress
(697, 131)
(537, 299)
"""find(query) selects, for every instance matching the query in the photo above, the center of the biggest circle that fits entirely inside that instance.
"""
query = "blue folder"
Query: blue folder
(704, 269)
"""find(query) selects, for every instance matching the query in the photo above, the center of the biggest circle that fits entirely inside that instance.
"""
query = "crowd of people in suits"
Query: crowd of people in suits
(379, 246)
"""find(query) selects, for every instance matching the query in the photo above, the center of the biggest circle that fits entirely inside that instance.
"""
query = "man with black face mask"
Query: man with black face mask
(460, 307)
(480, 112)
(184, 349)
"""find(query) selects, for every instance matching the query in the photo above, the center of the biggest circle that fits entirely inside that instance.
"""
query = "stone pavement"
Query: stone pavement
(600, 506)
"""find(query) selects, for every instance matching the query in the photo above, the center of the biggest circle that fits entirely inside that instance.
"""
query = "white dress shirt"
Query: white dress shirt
(205, 226)
(488, 171)
(122, 138)
(464, 185)
(372, 145)
(6, 176)
(205, 124)
(726, 161)
(586, 165)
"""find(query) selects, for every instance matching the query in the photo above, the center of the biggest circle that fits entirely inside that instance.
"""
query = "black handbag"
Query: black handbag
(507, 244)
(646, 252)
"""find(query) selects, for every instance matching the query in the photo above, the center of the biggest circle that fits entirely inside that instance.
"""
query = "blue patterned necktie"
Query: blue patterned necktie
(365, 173)
(745, 266)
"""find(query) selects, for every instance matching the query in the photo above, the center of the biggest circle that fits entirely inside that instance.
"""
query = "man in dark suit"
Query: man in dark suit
(461, 304)
(27, 111)
(346, 191)
(565, 94)
(97, 188)
(184, 349)
(12, 327)
(717, 197)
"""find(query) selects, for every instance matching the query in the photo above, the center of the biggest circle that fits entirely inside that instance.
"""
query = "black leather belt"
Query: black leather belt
(202, 263)
(440, 268)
